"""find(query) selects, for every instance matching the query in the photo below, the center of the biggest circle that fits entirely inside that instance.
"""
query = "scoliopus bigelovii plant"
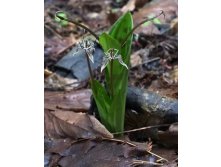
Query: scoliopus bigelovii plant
(116, 44)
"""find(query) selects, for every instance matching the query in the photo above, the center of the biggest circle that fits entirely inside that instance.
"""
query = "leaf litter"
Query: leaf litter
(60, 124)
(99, 152)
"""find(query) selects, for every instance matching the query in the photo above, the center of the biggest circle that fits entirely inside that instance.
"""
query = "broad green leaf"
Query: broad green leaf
(117, 110)
(119, 31)
(101, 98)
(107, 42)
(122, 27)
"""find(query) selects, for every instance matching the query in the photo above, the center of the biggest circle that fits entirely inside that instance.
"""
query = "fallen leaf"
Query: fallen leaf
(130, 6)
(172, 76)
(78, 101)
(63, 124)
(170, 8)
(141, 3)
(54, 46)
(173, 27)
(47, 73)
(169, 138)
(133, 4)
(57, 82)
(135, 59)
(100, 153)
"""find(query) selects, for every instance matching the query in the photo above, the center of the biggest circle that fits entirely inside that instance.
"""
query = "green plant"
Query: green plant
(111, 99)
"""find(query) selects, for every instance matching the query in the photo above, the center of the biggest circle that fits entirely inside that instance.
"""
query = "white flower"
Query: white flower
(88, 46)
(112, 54)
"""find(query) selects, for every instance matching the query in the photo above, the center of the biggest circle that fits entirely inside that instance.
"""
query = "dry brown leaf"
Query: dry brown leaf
(64, 124)
(170, 8)
(133, 4)
(135, 59)
(167, 84)
(141, 3)
(169, 138)
(130, 6)
(57, 82)
(78, 101)
(174, 26)
(54, 46)
(171, 77)
(47, 73)
(100, 153)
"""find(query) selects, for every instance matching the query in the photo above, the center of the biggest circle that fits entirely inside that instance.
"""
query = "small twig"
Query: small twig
(89, 66)
(78, 24)
(119, 141)
(143, 128)
(141, 162)
(111, 78)
(139, 24)
(160, 158)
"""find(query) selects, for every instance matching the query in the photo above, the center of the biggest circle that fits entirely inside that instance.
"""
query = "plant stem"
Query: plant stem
(78, 24)
(89, 66)
(111, 78)
(139, 24)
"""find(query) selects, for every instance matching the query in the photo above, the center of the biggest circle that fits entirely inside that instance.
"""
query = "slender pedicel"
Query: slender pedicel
(78, 24)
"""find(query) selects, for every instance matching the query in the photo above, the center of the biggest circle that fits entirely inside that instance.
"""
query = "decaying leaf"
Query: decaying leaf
(171, 77)
(63, 124)
(169, 138)
(100, 153)
(47, 73)
(78, 101)
(133, 4)
(135, 59)
(130, 6)
(57, 82)
(170, 8)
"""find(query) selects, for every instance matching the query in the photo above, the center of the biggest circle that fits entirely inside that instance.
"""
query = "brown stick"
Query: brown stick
(139, 129)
